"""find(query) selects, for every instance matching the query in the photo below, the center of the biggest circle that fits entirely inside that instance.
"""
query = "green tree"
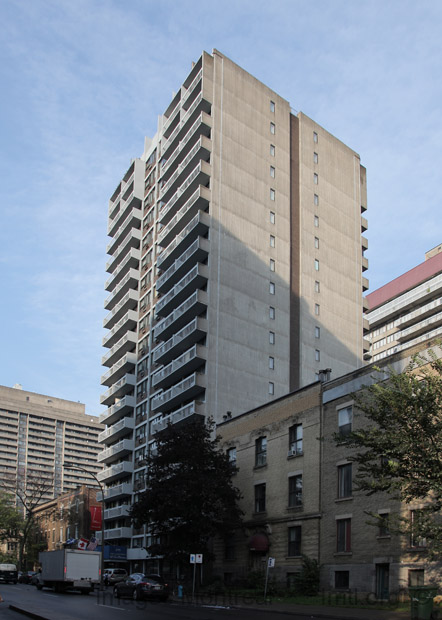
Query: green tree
(189, 496)
(399, 445)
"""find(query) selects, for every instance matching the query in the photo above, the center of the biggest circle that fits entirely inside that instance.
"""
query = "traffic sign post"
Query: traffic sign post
(270, 564)
(195, 558)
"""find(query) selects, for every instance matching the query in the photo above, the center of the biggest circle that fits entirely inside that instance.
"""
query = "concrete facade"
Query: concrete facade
(236, 261)
(408, 310)
(39, 433)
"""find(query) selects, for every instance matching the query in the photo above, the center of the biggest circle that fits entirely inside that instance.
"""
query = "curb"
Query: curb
(25, 612)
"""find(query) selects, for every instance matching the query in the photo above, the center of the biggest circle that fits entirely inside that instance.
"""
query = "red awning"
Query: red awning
(259, 542)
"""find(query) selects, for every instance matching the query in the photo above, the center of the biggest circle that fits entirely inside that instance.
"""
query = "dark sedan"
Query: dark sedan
(139, 586)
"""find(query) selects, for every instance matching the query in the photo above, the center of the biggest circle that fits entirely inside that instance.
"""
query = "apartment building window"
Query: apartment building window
(342, 579)
(416, 541)
(317, 309)
(272, 171)
(295, 439)
(317, 286)
(317, 332)
(315, 178)
(272, 217)
(316, 221)
(260, 451)
(343, 535)
(272, 128)
(272, 106)
(271, 288)
(231, 453)
(272, 313)
(316, 200)
(345, 420)
(272, 264)
(416, 577)
(315, 137)
(294, 540)
(315, 158)
(295, 491)
(317, 243)
(271, 388)
(316, 264)
(384, 520)
(317, 355)
(344, 480)
(272, 194)
(272, 150)
(271, 337)
(272, 363)
(260, 497)
(272, 241)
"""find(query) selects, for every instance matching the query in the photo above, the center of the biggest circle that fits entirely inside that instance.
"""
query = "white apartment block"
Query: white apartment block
(236, 269)
(408, 310)
(39, 433)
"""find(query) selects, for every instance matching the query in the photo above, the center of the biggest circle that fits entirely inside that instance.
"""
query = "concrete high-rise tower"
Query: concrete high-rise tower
(236, 262)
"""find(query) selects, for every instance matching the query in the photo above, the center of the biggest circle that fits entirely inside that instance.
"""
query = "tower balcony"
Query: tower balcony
(187, 362)
(187, 336)
(127, 323)
(116, 492)
(196, 278)
(120, 388)
(189, 411)
(193, 306)
(124, 366)
(184, 390)
(198, 251)
(117, 430)
(117, 451)
(109, 474)
(130, 261)
(132, 199)
(200, 175)
(200, 151)
(127, 343)
(192, 90)
(117, 512)
(130, 281)
(198, 226)
(132, 240)
(118, 533)
(201, 126)
(129, 302)
(118, 410)
(199, 201)
(133, 220)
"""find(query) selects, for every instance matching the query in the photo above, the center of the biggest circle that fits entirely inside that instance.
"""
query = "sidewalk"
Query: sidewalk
(315, 611)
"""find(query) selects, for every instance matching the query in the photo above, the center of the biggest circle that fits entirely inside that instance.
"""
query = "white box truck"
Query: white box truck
(69, 568)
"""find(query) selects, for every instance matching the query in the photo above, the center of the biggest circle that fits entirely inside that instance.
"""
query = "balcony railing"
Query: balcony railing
(126, 424)
(184, 389)
(197, 299)
(199, 221)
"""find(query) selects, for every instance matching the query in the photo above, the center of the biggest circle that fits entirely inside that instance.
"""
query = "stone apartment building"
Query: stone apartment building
(299, 496)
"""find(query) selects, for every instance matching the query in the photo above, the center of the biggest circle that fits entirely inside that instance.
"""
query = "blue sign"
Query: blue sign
(114, 552)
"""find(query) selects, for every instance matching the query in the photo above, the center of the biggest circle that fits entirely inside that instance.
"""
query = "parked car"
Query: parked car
(26, 576)
(112, 576)
(139, 586)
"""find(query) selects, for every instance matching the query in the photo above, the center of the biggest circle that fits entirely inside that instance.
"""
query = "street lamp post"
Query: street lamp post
(79, 468)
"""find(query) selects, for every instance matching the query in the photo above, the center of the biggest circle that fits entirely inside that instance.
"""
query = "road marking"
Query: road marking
(113, 607)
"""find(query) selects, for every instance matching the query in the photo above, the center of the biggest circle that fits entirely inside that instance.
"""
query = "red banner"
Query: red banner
(95, 518)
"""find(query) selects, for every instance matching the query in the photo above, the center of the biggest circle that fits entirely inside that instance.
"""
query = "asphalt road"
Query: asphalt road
(74, 606)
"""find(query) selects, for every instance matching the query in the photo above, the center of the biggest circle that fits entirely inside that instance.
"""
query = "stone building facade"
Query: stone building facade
(310, 504)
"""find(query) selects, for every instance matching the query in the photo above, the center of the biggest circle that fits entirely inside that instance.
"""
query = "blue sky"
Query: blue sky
(83, 82)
